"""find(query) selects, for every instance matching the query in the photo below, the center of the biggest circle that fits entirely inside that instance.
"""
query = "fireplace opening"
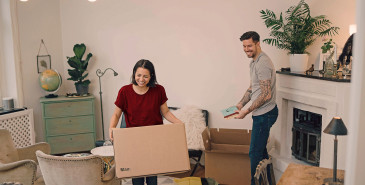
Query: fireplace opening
(306, 143)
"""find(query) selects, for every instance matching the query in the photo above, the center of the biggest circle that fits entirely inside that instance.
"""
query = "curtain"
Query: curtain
(11, 75)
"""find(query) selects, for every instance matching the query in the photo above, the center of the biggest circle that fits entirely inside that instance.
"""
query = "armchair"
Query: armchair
(60, 170)
(19, 164)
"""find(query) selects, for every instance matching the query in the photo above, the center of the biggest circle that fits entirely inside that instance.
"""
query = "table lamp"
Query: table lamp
(335, 127)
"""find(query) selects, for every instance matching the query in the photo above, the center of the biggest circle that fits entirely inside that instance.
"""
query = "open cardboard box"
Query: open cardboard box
(150, 150)
(226, 155)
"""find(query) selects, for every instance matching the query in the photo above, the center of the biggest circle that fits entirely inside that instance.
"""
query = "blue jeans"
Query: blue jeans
(140, 181)
(260, 133)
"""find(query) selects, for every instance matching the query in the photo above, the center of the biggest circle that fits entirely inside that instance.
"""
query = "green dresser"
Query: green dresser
(69, 123)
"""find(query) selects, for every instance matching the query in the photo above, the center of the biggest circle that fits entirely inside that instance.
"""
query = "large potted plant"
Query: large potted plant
(296, 32)
(79, 68)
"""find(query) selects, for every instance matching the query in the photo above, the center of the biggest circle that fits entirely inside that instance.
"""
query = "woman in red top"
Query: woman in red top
(142, 102)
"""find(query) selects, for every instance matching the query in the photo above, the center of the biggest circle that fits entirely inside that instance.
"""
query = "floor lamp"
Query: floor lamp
(99, 73)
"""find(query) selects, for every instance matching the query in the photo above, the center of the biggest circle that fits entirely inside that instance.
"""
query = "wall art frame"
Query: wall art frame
(43, 63)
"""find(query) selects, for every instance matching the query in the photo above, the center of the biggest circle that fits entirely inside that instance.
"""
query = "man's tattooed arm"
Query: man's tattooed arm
(246, 97)
(265, 86)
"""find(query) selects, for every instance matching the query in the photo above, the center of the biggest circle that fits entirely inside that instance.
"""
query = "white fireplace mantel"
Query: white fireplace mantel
(328, 98)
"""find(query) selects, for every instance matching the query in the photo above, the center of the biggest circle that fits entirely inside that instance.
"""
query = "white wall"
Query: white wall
(194, 45)
(39, 19)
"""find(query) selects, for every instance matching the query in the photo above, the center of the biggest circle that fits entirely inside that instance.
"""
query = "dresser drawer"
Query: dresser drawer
(71, 143)
(68, 109)
(69, 125)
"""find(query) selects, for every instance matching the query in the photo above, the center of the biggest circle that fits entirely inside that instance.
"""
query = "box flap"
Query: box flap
(230, 136)
(206, 138)
(228, 148)
(150, 150)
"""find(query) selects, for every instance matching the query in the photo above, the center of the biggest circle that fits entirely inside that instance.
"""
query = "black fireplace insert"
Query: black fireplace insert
(306, 130)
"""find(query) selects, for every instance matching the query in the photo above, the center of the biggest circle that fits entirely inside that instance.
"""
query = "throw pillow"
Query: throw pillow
(194, 121)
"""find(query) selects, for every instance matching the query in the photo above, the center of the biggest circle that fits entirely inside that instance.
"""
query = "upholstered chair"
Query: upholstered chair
(19, 164)
(60, 170)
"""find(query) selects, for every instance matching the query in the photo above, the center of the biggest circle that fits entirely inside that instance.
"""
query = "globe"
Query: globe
(50, 81)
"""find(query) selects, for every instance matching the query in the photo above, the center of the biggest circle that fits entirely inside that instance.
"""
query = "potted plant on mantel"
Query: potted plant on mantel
(79, 68)
(297, 33)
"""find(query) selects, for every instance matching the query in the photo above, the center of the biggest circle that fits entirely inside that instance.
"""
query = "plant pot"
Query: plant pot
(82, 89)
(298, 62)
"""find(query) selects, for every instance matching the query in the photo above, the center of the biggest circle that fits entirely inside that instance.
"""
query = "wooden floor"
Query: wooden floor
(200, 172)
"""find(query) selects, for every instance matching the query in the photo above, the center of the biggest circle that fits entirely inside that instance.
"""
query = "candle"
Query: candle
(352, 29)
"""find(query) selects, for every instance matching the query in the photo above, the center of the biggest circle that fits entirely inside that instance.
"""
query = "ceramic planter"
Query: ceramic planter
(298, 62)
(82, 89)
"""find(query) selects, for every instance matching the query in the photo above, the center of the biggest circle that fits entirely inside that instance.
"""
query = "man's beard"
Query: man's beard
(252, 55)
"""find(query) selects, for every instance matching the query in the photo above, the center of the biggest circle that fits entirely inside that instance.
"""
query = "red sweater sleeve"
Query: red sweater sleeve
(121, 98)
(163, 94)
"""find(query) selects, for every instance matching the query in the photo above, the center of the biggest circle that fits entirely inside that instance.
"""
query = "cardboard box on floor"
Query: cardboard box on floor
(150, 150)
(226, 155)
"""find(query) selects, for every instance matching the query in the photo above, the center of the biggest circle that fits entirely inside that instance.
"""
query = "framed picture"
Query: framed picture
(43, 62)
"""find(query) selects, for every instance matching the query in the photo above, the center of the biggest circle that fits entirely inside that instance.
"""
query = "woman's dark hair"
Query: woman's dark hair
(146, 64)
(250, 34)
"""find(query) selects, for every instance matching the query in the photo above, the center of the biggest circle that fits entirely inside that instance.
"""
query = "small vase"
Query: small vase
(346, 70)
(346, 67)
(329, 69)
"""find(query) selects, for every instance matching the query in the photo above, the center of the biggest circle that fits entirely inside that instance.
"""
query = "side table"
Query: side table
(299, 174)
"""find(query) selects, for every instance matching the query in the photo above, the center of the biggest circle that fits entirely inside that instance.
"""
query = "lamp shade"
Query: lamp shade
(336, 127)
